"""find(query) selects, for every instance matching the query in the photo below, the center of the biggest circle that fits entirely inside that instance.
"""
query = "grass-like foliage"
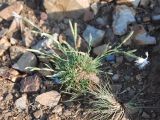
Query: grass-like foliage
(104, 105)
(76, 70)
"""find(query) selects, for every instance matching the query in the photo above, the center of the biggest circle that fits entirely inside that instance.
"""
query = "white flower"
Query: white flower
(142, 62)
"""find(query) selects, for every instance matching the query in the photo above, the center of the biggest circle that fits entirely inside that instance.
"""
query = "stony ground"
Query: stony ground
(23, 93)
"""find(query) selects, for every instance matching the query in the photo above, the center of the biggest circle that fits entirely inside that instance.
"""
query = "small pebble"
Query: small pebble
(115, 77)
(111, 58)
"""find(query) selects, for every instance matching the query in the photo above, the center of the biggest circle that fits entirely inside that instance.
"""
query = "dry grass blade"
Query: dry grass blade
(105, 106)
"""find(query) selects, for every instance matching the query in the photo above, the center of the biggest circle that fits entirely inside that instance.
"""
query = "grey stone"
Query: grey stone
(135, 3)
(115, 77)
(102, 21)
(28, 59)
(122, 17)
(93, 36)
(46, 43)
(144, 39)
(21, 103)
(100, 49)
(41, 44)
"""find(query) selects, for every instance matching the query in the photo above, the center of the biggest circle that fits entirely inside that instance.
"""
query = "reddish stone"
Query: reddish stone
(30, 84)
(44, 16)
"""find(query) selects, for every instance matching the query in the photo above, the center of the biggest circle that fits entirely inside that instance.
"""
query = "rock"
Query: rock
(41, 44)
(54, 117)
(67, 113)
(9, 74)
(38, 114)
(16, 52)
(102, 21)
(56, 81)
(3, 70)
(28, 59)
(110, 58)
(119, 59)
(27, 37)
(145, 115)
(115, 77)
(69, 104)
(58, 9)
(109, 37)
(45, 43)
(122, 17)
(135, 3)
(9, 97)
(144, 3)
(6, 13)
(58, 110)
(93, 36)
(22, 103)
(4, 45)
(52, 100)
(88, 15)
(7, 115)
(30, 84)
(43, 16)
(141, 37)
(95, 8)
(100, 49)
(144, 39)
(13, 41)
